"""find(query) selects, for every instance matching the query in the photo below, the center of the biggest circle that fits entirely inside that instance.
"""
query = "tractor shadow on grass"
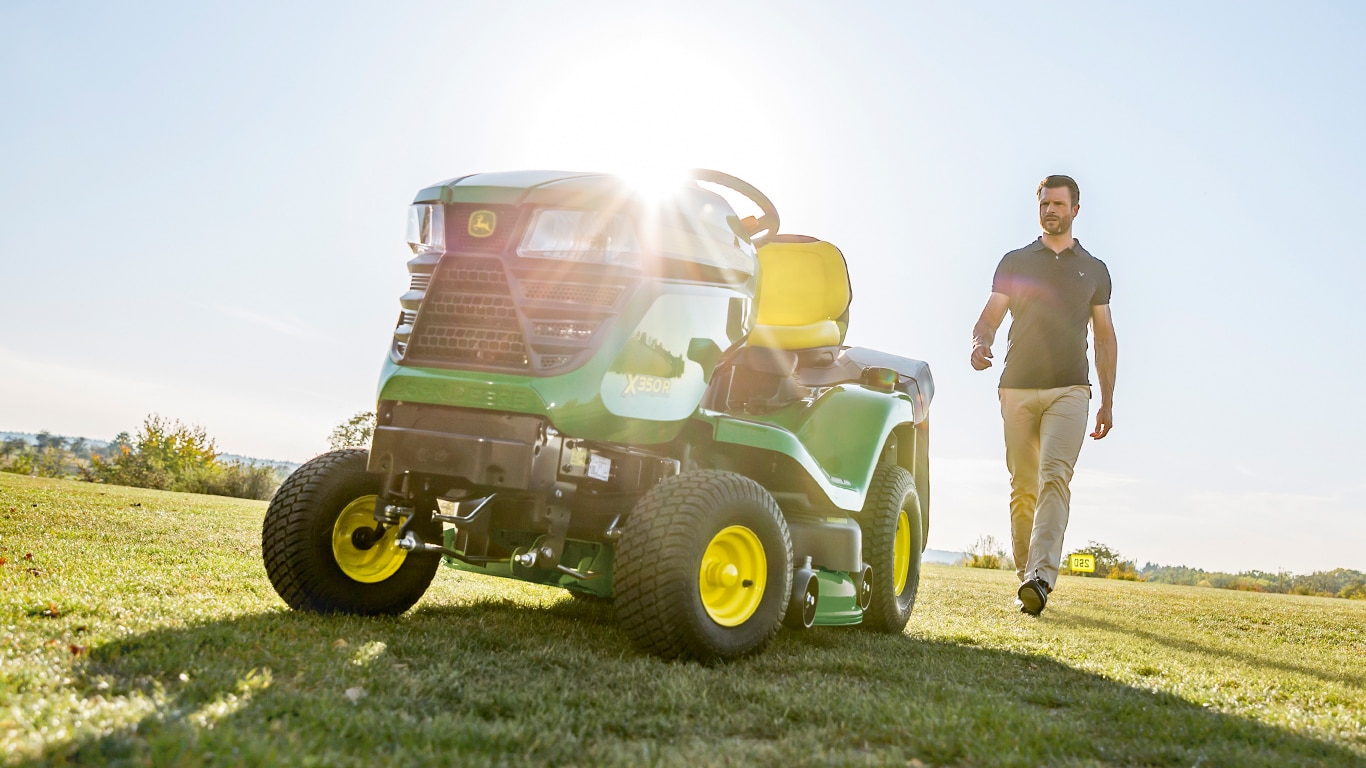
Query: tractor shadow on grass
(1185, 646)
(498, 682)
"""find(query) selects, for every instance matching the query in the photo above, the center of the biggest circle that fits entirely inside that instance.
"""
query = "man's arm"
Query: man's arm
(1107, 360)
(984, 333)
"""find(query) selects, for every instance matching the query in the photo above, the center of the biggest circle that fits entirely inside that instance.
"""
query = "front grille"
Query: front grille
(554, 361)
(574, 329)
(572, 293)
(472, 312)
(468, 317)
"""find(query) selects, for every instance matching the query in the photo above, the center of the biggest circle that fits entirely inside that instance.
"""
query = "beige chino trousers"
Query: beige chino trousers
(1044, 430)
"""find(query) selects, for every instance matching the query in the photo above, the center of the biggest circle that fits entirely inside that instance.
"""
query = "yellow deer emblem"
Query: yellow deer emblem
(482, 223)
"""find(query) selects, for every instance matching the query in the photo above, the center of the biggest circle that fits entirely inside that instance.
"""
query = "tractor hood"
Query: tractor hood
(566, 188)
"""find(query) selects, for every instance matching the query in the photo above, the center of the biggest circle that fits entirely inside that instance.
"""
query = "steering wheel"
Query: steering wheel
(767, 222)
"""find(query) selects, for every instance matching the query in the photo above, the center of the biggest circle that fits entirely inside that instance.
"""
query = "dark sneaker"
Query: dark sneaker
(1033, 596)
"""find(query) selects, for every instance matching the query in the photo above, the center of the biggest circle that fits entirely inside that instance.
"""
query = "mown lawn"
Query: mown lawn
(143, 631)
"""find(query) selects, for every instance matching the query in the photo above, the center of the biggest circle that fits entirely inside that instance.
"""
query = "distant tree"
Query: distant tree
(355, 432)
(235, 478)
(1339, 582)
(51, 461)
(164, 454)
(48, 440)
(1355, 590)
(1110, 564)
(12, 446)
(987, 552)
(169, 455)
(22, 464)
(1175, 574)
(118, 445)
(79, 447)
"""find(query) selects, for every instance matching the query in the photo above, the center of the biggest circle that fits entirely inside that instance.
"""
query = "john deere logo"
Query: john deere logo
(482, 223)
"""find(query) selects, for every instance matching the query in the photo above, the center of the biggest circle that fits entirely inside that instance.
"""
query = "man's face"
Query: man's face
(1056, 210)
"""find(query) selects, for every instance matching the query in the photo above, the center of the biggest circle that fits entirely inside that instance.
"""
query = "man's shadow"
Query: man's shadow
(497, 682)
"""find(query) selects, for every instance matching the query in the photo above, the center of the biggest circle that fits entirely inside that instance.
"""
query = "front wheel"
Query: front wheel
(891, 547)
(704, 568)
(319, 546)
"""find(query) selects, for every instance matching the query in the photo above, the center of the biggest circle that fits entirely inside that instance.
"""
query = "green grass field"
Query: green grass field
(143, 631)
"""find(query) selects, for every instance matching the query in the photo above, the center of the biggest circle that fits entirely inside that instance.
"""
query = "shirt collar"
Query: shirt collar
(1076, 248)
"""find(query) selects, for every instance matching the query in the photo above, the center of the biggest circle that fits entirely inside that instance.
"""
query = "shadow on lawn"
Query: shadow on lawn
(1186, 646)
(500, 682)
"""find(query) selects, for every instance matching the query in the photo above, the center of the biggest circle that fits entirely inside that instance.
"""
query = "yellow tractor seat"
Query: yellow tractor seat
(803, 294)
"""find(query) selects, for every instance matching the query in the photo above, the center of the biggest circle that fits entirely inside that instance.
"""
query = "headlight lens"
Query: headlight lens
(584, 236)
(426, 228)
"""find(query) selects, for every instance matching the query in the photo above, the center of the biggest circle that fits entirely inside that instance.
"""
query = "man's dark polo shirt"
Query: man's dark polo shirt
(1051, 295)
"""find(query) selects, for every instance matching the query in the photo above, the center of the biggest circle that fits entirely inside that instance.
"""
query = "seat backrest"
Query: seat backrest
(803, 294)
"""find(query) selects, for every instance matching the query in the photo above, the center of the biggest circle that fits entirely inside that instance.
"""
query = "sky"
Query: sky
(202, 212)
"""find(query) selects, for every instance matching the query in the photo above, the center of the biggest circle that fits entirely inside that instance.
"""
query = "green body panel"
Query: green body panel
(836, 439)
(837, 603)
(582, 555)
(639, 388)
(584, 190)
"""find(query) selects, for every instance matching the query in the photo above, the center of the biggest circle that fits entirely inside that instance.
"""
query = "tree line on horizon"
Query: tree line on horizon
(163, 454)
(172, 456)
(988, 552)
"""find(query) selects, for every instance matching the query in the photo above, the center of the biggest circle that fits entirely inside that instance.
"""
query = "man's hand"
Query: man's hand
(981, 357)
(1105, 419)
(1107, 361)
(985, 331)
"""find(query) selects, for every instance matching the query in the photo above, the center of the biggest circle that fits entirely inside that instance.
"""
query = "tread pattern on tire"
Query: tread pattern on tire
(657, 600)
(892, 484)
(298, 557)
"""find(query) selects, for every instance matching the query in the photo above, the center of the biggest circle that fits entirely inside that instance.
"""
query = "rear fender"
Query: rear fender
(837, 439)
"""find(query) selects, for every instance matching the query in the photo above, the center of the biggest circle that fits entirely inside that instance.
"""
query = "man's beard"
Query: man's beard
(1055, 226)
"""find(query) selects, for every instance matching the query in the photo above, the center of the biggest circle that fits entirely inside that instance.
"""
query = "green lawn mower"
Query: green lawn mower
(635, 398)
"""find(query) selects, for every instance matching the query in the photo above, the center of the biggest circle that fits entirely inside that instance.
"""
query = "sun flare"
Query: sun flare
(647, 110)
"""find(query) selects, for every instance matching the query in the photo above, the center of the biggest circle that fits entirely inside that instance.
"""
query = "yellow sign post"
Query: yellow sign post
(1082, 563)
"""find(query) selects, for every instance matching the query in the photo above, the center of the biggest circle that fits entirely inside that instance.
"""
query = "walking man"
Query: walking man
(1053, 289)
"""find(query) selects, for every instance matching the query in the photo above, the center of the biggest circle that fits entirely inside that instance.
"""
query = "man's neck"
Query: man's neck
(1058, 243)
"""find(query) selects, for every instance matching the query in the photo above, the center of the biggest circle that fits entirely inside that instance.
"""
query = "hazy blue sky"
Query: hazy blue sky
(202, 209)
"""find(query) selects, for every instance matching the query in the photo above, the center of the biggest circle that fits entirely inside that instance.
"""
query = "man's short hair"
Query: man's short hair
(1056, 181)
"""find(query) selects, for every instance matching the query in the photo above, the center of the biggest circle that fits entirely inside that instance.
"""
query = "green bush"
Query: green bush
(236, 479)
(989, 553)
(172, 456)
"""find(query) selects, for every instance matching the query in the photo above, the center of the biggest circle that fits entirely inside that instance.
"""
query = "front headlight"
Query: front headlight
(585, 236)
(426, 228)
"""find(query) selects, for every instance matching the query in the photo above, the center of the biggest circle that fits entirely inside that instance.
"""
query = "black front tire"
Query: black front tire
(891, 512)
(301, 554)
(662, 568)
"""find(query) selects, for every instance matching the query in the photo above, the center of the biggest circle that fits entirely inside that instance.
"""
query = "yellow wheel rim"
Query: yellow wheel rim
(901, 552)
(375, 564)
(733, 575)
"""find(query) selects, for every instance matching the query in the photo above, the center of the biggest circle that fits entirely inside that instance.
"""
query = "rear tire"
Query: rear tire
(311, 557)
(892, 544)
(704, 568)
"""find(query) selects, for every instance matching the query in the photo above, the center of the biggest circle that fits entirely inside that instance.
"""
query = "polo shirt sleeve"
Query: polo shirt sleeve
(1102, 293)
(1006, 279)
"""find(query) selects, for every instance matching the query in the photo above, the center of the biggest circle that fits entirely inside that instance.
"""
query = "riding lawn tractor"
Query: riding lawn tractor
(635, 398)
